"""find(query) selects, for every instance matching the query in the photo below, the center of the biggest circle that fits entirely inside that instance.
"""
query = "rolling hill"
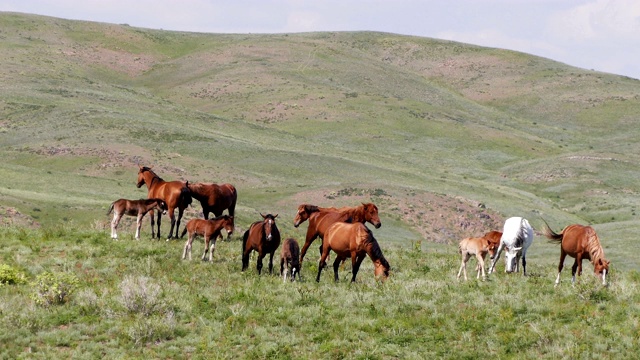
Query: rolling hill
(447, 138)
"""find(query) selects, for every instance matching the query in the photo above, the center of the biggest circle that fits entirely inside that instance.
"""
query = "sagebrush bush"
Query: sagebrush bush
(11, 276)
(53, 288)
(140, 295)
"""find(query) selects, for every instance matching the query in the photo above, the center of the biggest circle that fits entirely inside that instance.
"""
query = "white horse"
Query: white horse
(517, 236)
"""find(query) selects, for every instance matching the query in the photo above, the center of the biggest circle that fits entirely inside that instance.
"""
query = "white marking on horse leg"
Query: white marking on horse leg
(138, 226)
(286, 270)
(212, 248)
(184, 253)
(557, 280)
(604, 277)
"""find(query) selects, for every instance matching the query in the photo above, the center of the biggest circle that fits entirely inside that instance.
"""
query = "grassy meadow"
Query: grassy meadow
(447, 139)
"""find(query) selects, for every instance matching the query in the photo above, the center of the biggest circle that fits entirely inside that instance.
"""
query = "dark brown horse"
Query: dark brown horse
(290, 259)
(320, 219)
(355, 241)
(263, 237)
(174, 193)
(138, 208)
(579, 242)
(215, 198)
(210, 230)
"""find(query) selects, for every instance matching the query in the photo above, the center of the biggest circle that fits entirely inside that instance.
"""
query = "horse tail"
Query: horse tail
(185, 195)
(552, 236)
(184, 231)
(111, 208)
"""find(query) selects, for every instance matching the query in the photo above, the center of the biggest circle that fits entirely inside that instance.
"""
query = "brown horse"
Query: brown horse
(320, 219)
(214, 198)
(356, 241)
(263, 237)
(210, 230)
(579, 242)
(174, 193)
(290, 259)
(137, 208)
(478, 247)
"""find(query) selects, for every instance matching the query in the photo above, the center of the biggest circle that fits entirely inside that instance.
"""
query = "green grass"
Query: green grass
(139, 299)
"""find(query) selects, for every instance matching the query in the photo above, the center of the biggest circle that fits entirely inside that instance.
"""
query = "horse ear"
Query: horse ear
(264, 217)
(275, 216)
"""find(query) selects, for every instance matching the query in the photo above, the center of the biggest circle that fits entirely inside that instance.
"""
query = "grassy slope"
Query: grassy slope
(282, 116)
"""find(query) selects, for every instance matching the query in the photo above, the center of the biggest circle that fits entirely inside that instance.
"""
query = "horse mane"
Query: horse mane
(155, 176)
(375, 252)
(593, 246)
(310, 208)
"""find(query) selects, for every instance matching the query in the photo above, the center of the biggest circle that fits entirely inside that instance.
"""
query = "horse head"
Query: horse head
(228, 225)
(141, 175)
(381, 269)
(304, 211)
(601, 268)
(269, 225)
(511, 259)
(371, 214)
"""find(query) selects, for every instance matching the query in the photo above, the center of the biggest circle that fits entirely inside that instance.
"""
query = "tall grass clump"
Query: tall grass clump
(11, 276)
(140, 295)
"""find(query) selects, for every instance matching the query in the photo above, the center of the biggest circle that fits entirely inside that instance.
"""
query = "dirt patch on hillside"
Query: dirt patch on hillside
(12, 217)
(436, 217)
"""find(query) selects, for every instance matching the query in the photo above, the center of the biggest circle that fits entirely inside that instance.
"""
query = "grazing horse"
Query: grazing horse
(320, 219)
(210, 230)
(579, 242)
(517, 236)
(174, 193)
(478, 246)
(290, 259)
(137, 208)
(356, 241)
(214, 198)
(263, 237)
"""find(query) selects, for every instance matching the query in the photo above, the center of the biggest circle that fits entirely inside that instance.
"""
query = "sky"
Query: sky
(601, 35)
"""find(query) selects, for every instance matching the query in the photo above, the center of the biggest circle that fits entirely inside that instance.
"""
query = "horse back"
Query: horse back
(321, 221)
(344, 237)
(474, 246)
(575, 239)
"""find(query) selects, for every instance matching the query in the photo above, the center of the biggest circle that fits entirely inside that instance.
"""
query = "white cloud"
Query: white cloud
(598, 20)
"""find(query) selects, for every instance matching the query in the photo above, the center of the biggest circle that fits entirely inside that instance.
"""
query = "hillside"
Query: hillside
(447, 138)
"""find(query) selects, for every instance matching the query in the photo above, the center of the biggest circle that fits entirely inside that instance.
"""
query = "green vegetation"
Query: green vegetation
(447, 139)
(139, 299)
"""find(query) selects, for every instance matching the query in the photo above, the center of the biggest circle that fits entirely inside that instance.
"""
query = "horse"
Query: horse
(175, 193)
(290, 259)
(210, 230)
(478, 246)
(579, 242)
(214, 198)
(137, 208)
(320, 219)
(263, 237)
(357, 241)
(517, 236)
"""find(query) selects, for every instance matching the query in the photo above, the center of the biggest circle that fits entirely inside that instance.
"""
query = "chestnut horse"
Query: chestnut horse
(579, 242)
(263, 237)
(210, 230)
(214, 198)
(138, 208)
(290, 259)
(478, 246)
(320, 219)
(174, 193)
(356, 241)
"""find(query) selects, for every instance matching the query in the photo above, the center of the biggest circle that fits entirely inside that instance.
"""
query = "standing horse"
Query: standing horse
(137, 208)
(356, 241)
(517, 236)
(210, 230)
(290, 259)
(579, 242)
(263, 237)
(479, 247)
(214, 198)
(320, 219)
(174, 193)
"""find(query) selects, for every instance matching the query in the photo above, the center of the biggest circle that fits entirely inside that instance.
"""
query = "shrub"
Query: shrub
(53, 288)
(11, 276)
(140, 295)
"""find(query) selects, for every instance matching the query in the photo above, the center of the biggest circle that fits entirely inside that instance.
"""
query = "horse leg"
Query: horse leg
(159, 220)
(282, 269)
(259, 263)
(187, 246)
(114, 224)
(138, 226)
(481, 265)
(180, 212)
(496, 257)
(463, 266)
(310, 237)
(212, 248)
(206, 247)
(336, 266)
(574, 268)
(560, 266)
(322, 263)
(524, 264)
(356, 265)
(271, 262)
(245, 258)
